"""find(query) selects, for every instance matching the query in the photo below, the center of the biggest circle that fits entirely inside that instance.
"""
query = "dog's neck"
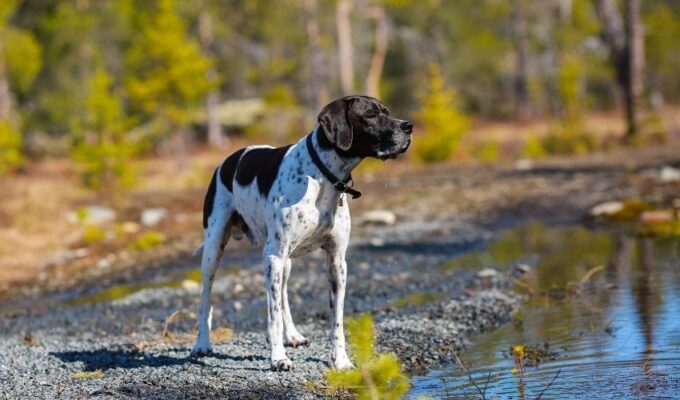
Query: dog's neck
(338, 165)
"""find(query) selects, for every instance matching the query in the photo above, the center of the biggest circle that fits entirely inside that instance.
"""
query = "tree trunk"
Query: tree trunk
(635, 63)
(345, 56)
(318, 94)
(6, 98)
(626, 49)
(212, 101)
(523, 107)
(378, 59)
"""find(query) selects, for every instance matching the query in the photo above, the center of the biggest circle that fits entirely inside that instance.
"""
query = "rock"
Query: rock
(378, 217)
(91, 215)
(524, 164)
(103, 263)
(487, 273)
(130, 227)
(606, 208)
(377, 242)
(522, 268)
(669, 174)
(656, 216)
(188, 284)
(152, 216)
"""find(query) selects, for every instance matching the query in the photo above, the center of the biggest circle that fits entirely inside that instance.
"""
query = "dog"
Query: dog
(292, 200)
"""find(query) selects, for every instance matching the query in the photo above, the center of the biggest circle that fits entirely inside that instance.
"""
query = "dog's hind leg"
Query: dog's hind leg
(218, 222)
(290, 333)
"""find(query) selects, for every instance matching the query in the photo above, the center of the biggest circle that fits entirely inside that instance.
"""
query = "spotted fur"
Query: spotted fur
(280, 199)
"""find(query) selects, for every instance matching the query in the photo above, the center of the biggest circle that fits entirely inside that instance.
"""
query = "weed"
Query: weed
(376, 375)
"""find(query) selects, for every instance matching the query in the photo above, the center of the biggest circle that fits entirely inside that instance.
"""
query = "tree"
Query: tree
(205, 28)
(378, 59)
(103, 146)
(167, 74)
(345, 51)
(520, 40)
(20, 62)
(624, 38)
(443, 124)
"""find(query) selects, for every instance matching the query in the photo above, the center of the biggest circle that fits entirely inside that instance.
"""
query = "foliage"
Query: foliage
(443, 125)
(23, 58)
(377, 376)
(489, 151)
(104, 150)
(10, 147)
(148, 240)
(167, 73)
(93, 234)
(533, 148)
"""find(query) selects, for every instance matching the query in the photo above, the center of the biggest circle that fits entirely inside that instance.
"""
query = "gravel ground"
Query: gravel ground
(423, 313)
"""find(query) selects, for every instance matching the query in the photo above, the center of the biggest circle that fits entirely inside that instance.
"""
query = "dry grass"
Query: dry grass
(88, 374)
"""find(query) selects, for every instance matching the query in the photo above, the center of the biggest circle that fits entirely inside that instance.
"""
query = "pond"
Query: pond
(603, 320)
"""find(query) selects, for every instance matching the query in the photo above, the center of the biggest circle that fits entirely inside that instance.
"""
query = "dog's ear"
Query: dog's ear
(334, 119)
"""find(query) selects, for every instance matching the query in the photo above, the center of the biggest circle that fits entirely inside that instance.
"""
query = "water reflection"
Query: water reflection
(617, 336)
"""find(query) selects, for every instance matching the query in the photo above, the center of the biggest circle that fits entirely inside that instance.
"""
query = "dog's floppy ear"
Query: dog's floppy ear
(334, 119)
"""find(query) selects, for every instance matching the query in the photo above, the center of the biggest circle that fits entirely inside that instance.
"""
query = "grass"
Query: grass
(88, 374)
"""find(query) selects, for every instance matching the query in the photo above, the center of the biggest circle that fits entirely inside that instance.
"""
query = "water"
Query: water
(182, 279)
(615, 336)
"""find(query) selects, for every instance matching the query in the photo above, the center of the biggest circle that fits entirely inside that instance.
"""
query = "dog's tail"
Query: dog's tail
(198, 249)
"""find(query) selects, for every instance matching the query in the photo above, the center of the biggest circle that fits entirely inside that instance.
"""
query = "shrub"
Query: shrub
(10, 148)
(103, 149)
(443, 124)
(376, 375)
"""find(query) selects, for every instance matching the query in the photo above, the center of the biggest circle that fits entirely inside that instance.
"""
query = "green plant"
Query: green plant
(443, 124)
(93, 234)
(148, 240)
(10, 148)
(533, 148)
(377, 376)
(103, 149)
(488, 151)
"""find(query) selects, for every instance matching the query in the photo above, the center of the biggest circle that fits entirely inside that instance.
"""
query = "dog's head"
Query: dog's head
(360, 126)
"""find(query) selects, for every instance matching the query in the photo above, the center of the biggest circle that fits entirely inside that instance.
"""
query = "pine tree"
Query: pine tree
(443, 124)
(103, 148)
(20, 58)
(166, 72)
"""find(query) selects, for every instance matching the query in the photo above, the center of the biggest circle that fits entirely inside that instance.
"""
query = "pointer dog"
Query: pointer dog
(292, 201)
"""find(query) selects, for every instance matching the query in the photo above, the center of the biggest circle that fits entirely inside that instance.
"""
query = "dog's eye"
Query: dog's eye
(371, 114)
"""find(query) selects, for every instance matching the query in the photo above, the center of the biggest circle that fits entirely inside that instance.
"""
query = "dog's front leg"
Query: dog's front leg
(337, 276)
(290, 332)
(274, 265)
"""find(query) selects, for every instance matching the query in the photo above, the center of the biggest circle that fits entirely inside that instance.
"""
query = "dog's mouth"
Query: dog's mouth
(393, 155)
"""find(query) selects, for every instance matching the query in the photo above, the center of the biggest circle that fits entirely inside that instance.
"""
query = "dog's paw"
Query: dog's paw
(296, 341)
(200, 351)
(283, 365)
(343, 363)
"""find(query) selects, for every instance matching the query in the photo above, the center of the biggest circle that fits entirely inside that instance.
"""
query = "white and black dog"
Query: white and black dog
(290, 200)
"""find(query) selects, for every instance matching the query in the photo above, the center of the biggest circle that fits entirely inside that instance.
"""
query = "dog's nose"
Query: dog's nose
(407, 126)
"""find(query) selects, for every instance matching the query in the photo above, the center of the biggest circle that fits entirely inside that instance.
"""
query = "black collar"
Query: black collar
(340, 185)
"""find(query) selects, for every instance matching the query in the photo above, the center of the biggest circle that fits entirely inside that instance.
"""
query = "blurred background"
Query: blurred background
(114, 113)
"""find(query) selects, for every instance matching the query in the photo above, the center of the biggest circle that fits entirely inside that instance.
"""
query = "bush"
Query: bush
(376, 374)
(10, 148)
(103, 149)
(443, 124)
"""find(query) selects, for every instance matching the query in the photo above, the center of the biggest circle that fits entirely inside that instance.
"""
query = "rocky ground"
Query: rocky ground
(68, 343)
(131, 349)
